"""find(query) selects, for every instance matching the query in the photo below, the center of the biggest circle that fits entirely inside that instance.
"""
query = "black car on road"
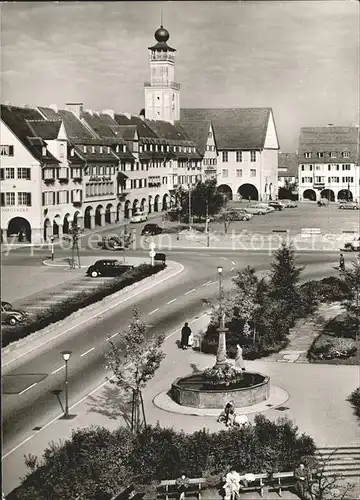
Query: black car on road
(151, 229)
(278, 205)
(109, 268)
(10, 315)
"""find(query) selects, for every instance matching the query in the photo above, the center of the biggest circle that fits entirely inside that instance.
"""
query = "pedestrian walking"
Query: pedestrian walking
(342, 263)
(185, 335)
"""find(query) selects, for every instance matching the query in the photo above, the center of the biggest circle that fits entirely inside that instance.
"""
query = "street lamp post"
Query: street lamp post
(52, 247)
(66, 356)
(221, 358)
(189, 205)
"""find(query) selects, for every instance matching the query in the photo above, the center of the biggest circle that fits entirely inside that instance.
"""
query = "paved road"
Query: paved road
(164, 308)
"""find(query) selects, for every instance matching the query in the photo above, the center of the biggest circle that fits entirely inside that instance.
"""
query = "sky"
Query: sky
(300, 58)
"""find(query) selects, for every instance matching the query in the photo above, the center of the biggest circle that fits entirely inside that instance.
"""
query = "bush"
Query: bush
(330, 289)
(97, 459)
(63, 309)
(263, 346)
(325, 348)
(341, 326)
(354, 399)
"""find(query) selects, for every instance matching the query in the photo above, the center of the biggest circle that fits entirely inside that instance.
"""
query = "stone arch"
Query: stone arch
(309, 194)
(127, 209)
(66, 225)
(142, 205)
(118, 212)
(156, 203)
(150, 204)
(225, 190)
(108, 211)
(99, 212)
(345, 194)
(165, 202)
(248, 191)
(21, 227)
(135, 206)
(328, 194)
(56, 223)
(47, 229)
(88, 218)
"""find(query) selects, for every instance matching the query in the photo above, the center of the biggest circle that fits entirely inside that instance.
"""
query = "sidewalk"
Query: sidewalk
(330, 421)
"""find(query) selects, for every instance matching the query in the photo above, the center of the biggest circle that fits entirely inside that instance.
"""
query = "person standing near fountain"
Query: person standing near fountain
(239, 360)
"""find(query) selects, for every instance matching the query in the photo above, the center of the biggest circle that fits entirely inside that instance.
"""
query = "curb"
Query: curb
(94, 309)
(278, 397)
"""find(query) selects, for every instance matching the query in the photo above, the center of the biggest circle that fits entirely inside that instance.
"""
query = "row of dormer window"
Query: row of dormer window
(107, 149)
(345, 166)
(162, 148)
(332, 154)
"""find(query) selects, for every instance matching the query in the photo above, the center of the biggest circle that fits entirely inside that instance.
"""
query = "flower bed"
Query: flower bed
(327, 348)
(64, 308)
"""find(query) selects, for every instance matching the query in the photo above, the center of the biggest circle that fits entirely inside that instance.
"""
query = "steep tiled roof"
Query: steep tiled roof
(329, 140)
(142, 129)
(45, 129)
(17, 120)
(166, 130)
(104, 126)
(288, 164)
(234, 128)
(197, 132)
(75, 130)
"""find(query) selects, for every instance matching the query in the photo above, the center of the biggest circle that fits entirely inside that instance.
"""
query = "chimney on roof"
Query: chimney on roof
(142, 114)
(53, 107)
(75, 107)
(330, 124)
(109, 112)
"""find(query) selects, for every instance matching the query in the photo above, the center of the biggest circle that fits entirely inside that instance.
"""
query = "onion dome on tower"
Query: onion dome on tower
(162, 36)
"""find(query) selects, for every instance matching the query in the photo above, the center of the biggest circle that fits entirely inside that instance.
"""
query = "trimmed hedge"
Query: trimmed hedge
(64, 308)
(96, 460)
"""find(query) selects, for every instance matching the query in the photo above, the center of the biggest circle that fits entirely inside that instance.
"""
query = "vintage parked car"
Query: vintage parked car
(278, 205)
(151, 229)
(109, 268)
(10, 315)
(353, 245)
(349, 205)
(139, 216)
(256, 210)
(240, 214)
(289, 203)
(112, 243)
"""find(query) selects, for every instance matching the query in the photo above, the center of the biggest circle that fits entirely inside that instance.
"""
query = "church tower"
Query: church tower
(162, 93)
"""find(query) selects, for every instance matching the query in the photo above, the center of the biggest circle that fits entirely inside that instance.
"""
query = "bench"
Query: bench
(168, 488)
(257, 484)
(282, 481)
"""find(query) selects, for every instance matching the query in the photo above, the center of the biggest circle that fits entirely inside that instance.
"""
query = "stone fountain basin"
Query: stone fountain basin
(192, 391)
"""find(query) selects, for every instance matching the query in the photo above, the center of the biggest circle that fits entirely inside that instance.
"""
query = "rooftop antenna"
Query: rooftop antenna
(161, 17)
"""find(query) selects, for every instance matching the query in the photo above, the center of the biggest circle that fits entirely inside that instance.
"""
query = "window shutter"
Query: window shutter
(43, 199)
(29, 199)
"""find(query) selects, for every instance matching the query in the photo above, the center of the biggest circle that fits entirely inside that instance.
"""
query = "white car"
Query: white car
(265, 206)
(139, 217)
(353, 245)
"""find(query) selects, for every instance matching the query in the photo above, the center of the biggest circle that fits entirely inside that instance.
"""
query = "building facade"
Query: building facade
(288, 169)
(241, 149)
(329, 163)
